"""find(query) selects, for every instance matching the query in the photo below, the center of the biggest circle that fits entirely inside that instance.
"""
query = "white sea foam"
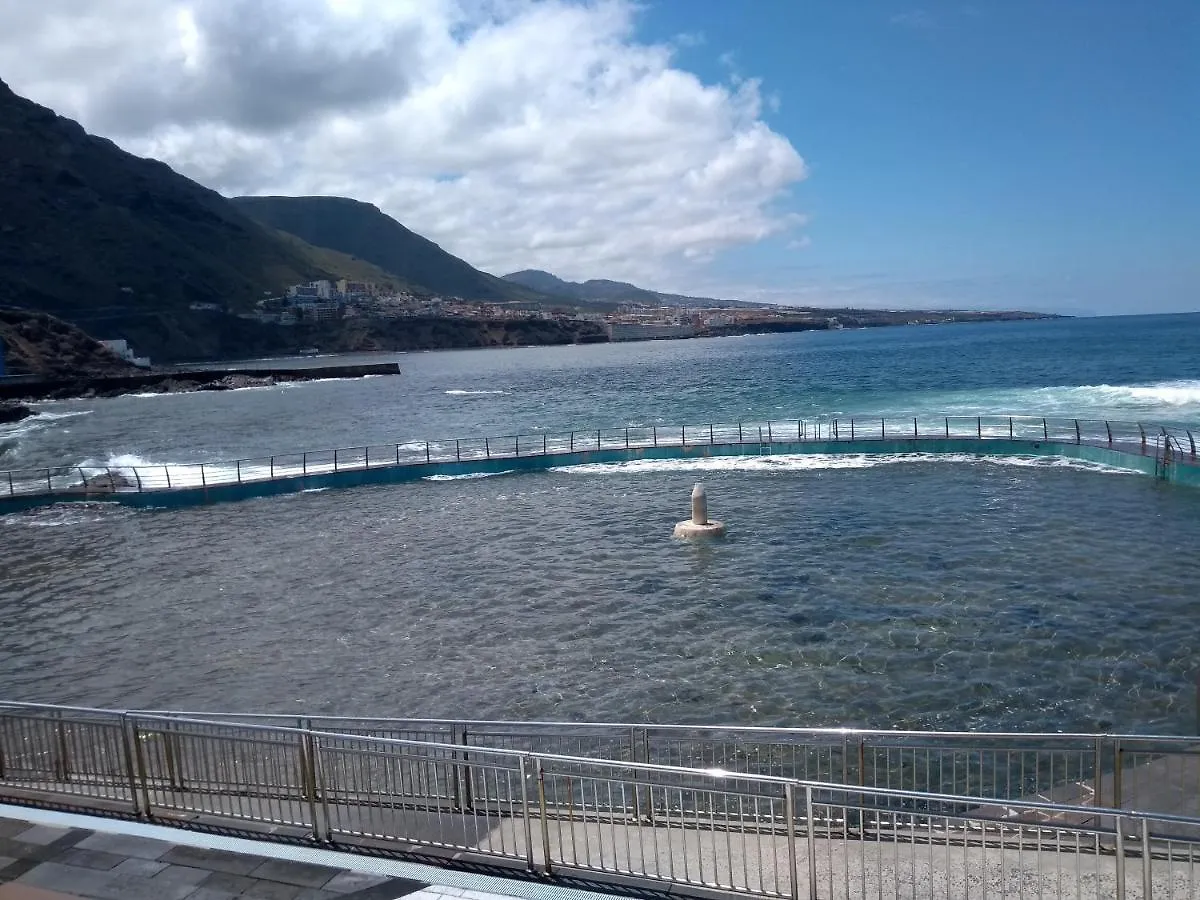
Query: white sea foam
(49, 416)
(457, 393)
(801, 462)
(1172, 400)
(469, 477)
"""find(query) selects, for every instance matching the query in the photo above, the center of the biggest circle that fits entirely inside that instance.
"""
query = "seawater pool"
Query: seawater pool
(878, 591)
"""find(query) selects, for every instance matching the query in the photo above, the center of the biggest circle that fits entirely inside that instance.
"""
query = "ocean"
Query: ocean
(884, 591)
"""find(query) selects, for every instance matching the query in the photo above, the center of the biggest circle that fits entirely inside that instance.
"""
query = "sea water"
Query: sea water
(889, 591)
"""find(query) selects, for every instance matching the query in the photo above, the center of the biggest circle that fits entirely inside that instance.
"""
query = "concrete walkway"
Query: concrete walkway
(44, 861)
(53, 855)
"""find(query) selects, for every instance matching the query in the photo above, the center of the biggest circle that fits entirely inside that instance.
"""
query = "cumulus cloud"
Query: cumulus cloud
(517, 134)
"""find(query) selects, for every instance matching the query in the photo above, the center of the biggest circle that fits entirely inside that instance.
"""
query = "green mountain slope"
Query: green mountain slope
(362, 230)
(122, 246)
(600, 290)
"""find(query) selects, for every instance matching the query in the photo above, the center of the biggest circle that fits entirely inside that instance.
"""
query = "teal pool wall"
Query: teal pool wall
(1182, 472)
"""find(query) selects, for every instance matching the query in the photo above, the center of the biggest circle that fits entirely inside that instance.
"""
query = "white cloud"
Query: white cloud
(517, 134)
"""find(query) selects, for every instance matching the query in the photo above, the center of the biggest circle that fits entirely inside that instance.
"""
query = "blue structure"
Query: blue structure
(1167, 456)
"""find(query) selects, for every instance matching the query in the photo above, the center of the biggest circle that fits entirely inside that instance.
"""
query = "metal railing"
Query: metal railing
(1134, 771)
(101, 480)
(753, 834)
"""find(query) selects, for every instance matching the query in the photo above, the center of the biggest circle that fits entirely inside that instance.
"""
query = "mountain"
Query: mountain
(362, 230)
(122, 246)
(599, 290)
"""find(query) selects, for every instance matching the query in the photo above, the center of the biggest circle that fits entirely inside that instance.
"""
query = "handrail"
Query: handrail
(219, 717)
(80, 480)
(712, 773)
(697, 826)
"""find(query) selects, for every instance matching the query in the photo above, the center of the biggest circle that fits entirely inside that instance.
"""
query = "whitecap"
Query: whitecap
(802, 462)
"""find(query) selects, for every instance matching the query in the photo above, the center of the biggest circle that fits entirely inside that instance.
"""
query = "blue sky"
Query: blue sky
(1031, 154)
(1016, 153)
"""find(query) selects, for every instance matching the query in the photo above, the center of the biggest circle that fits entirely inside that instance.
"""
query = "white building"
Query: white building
(120, 347)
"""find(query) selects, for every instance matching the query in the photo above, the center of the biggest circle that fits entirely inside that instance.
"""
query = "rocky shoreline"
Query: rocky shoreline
(88, 388)
(14, 412)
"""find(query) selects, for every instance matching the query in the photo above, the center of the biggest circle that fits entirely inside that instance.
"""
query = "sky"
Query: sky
(1027, 154)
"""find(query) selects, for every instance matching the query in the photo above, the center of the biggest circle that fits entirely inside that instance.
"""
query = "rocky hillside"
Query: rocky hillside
(601, 291)
(361, 230)
(39, 344)
(122, 246)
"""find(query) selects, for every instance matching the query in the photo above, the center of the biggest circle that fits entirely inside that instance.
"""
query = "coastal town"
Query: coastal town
(329, 301)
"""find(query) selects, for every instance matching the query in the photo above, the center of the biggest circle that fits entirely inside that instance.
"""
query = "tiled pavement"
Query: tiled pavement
(46, 862)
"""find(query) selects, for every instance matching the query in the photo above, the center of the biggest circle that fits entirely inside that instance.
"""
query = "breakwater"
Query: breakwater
(1156, 451)
(178, 381)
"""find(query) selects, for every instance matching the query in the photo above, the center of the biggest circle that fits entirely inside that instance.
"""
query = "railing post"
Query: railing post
(682, 435)
(138, 478)
(518, 444)
(1078, 436)
(308, 777)
(1118, 758)
(1147, 862)
(914, 428)
(12, 491)
(710, 433)
(167, 473)
(627, 438)
(1108, 428)
(1098, 775)
(272, 464)
(50, 484)
(62, 763)
(335, 460)
(523, 774)
(130, 765)
(170, 754)
(979, 428)
(739, 441)
(239, 471)
(1010, 428)
(487, 448)
(457, 451)
(468, 780)
(883, 429)
(789, 805)
(1143, 433)
(852, 428)
(1119, 823)
(770, 437)
(1191, 440)
(835, 429)
(947, 428)
(545, 450)
(1045, 430)
(572, 442)
(304, 461)
(597, 439)
(655, 427)
(541, 777)
(203, 476)
(426, 453)
(812, 842)
(139, 756)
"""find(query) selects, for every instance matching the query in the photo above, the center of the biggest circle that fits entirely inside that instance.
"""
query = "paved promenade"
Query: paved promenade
(46, 855)
(40, 862)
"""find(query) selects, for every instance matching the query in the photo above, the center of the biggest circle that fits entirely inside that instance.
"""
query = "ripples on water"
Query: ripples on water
(936, 594)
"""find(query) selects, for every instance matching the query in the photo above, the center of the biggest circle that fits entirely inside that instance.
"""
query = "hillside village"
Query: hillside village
(325, 300)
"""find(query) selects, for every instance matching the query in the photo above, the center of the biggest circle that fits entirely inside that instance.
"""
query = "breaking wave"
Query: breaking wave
(804, 462)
